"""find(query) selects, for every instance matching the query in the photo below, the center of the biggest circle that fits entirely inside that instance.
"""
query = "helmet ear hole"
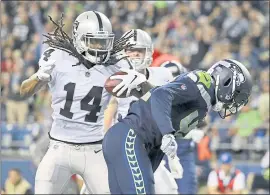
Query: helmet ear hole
(227, 83)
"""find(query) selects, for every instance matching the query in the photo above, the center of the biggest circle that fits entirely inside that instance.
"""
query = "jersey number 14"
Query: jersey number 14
(95, 93)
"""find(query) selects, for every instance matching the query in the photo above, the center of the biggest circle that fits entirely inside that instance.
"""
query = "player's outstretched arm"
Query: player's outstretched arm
(43, 76)
(161, 105)
(31, 85)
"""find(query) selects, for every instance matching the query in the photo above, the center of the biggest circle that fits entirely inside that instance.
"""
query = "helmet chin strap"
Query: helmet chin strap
(219, 105)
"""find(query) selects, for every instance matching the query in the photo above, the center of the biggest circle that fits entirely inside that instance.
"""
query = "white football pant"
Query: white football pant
(164, 182)
(63, 160)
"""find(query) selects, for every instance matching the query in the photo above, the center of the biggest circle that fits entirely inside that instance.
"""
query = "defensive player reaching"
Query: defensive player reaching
(140, 57)
(164, 183)
(76, 69)
(140, 140)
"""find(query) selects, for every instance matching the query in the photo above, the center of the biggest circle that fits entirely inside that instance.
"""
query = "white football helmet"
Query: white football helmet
(93, 36)
(143, 42)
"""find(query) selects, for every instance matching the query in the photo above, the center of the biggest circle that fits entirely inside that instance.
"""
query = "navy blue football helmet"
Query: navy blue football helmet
(233, 85)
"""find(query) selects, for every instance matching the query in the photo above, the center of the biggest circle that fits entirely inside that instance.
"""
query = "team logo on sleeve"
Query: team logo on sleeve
(183, 86)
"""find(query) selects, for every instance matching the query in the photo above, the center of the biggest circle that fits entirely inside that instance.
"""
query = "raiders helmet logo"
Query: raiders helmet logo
(75, 27)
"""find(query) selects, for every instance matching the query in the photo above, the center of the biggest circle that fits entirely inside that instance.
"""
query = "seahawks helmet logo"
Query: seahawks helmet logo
(240, 78)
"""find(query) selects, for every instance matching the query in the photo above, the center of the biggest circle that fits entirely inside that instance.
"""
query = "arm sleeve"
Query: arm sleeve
(50, 54)
(164, 97)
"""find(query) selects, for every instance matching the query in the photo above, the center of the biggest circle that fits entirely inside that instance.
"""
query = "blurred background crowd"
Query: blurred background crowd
(193, 32)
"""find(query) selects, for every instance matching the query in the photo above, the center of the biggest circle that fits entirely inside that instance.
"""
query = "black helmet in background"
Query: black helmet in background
(175, 67)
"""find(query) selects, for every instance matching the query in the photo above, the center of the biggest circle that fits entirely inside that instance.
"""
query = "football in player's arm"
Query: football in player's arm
(139, 56)
(165, 113)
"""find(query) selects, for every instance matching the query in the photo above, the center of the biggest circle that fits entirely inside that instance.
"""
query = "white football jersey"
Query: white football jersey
(78, 97)
(157, 76)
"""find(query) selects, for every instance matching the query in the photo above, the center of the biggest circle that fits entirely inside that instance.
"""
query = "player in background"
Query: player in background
(175, 67)
(76, 69)
(140, 140)
(140, 57)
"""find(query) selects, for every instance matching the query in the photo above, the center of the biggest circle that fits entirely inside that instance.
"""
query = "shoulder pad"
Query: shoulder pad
(200, 76)
(49, 54)
(57, 55)
(159, 75)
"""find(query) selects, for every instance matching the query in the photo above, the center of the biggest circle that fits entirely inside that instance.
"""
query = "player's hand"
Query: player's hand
(195, 134)
(130, 81)
(176, 167)
(169, 145)
(45, 70)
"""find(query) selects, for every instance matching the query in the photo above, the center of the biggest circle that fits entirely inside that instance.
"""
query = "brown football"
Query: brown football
(111, 83)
